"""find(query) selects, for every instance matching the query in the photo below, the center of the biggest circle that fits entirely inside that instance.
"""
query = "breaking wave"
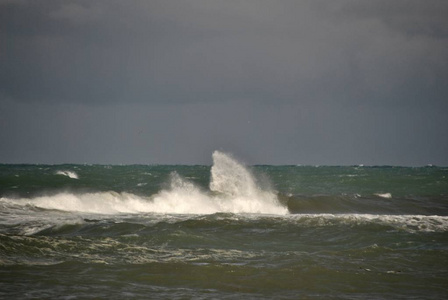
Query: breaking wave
(233, 189)
(384, 195)
(70, 174)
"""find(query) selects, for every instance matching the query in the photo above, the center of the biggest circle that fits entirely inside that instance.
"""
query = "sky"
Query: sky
(340, 82)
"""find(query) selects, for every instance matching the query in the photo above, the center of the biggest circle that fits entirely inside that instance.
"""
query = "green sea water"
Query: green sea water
(225, 231)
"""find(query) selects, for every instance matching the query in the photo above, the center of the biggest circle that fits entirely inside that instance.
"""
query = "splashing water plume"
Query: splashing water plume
(233, 189)
(230, 178)
(237, 188)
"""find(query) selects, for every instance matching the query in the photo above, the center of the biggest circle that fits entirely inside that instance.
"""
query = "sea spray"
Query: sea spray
(182, 197)
(230, 177)
(233, 189)
(237, 190)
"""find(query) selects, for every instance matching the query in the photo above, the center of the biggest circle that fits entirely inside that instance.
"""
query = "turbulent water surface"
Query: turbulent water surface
(225, 231)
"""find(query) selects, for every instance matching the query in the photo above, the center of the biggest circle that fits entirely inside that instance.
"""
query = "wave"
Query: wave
(384, 195)
(408, 223)
(100, 203)
(70, 174)
(364, 204)
(233, 189)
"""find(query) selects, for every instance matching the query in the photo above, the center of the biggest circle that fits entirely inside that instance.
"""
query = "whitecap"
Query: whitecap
(384, 195)
(70, 174)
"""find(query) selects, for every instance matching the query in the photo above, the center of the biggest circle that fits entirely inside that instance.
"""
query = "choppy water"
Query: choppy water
(226, 231)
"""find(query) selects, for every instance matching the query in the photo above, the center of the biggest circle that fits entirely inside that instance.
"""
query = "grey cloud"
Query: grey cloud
(260, 133)
(159, 51)
(409, 17)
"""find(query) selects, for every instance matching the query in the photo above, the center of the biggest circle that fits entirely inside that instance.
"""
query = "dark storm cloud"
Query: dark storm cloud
(319, 82)
(412, 18)
(102, 51)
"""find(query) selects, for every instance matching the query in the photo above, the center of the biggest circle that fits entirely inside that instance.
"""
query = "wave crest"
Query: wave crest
(69, 174)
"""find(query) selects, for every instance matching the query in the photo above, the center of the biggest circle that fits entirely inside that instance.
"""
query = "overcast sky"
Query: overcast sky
(273, 82)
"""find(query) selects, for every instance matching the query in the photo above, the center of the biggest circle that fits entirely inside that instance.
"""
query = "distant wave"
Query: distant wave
(384, 195)
(409, 223)
(70, 174)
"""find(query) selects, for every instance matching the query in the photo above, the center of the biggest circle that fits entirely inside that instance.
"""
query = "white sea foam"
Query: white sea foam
(384, 195)
(19, 215)
(233, 189)
(102, 202)
(70, 174)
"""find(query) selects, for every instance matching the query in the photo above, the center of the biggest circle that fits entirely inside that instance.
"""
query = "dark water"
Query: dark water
(223, 232)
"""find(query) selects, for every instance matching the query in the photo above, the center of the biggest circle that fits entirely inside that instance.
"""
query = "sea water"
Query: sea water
(225, 231)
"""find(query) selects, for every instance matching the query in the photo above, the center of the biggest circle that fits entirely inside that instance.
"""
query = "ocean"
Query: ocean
(226, 231)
